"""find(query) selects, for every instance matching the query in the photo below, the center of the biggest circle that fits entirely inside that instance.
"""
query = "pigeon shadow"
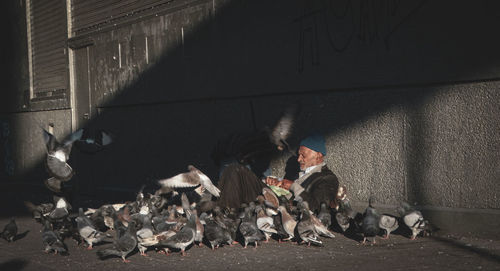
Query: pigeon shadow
(20, 236)
(15, 264)
(482, 252)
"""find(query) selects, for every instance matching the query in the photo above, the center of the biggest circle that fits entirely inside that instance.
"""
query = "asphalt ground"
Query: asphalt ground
(442, 251)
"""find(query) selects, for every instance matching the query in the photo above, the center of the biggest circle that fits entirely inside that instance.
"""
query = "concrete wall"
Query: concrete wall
(407, 93)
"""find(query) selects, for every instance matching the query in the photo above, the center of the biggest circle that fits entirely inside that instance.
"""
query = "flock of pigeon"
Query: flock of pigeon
(168, 220)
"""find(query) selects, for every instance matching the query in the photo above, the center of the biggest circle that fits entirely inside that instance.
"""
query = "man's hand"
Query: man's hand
(285, 184)
(272, 181)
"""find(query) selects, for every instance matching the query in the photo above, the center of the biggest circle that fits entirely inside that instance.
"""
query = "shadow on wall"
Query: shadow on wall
(221, 78)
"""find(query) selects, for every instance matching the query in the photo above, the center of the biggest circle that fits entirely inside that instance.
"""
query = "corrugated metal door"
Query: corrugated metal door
(48, 34)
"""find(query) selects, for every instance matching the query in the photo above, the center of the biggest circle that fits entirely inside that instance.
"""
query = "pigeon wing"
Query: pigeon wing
(50, 140)
(270, 198)
(182, 180)
(208, 185)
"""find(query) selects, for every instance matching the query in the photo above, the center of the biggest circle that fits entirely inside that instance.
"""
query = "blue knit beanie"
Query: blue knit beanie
(315, 142)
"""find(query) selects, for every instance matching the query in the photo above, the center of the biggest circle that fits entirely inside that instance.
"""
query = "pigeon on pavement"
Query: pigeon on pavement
(388, 224)
(287, 221)
(370, 225)
(183, 238)
(87, 230)
(306, 228)
(123, 245)
(324, 215)
(248, 227)
(265, 223)
(412, 218)
(52, 240)
(9, 232)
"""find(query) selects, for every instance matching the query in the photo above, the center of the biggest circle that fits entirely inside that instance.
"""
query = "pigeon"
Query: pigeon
(281, 233)
(52, 240)
(413, 219)
(389, 224)
(343, 220)
(57, 158)
(305, 227)
(198, 238)
(226, 222)
(321, 229)
(123, 245)
(215, 233)
(271, 200)
(87, 230)
(324, 215)
(248, 227)
(9, 232)
(265, 223)
(145, 236)
(61, 210)
(370, 224)
(287, 221)
(38, 211)
(92, 142)
(283, 128)
(189, 211)
(345, 214)
(193, 178)
(183, 238)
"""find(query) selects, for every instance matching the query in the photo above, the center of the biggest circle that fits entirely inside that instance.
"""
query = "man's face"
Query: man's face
(308, 158)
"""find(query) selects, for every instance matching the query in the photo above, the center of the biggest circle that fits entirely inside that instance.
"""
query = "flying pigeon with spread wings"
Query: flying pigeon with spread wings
(193, 178)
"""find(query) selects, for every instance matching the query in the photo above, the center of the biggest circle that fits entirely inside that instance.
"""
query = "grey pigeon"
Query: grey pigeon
(345, 214)
(388, 224)
(288, 222)
(145, 236)
(248, 227)
(57, 158)
(306, 228)
(321, 229)
(183, 238)
(52, 240)
(9, 232)
(281, 233)
(343, 221)
(370, 225)
(94, 141)
(215, 233)
(61, 210)
(123, 246)
(283, 128)
(87, 230)
(193, 178)
(324, 215)
(412, 218)
(38, 211)
(265, 223)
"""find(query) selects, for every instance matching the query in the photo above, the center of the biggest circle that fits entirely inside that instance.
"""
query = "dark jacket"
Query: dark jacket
(320, 187)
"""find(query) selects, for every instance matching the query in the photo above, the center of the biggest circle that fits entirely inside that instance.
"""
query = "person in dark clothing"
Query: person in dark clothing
(243, 159)
(316, 182)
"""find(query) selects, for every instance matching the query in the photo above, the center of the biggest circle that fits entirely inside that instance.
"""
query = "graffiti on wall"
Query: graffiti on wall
(6, 149)
(341, 22)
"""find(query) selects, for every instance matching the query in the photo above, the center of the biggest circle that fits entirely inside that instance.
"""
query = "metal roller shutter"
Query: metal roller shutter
(48, 34)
